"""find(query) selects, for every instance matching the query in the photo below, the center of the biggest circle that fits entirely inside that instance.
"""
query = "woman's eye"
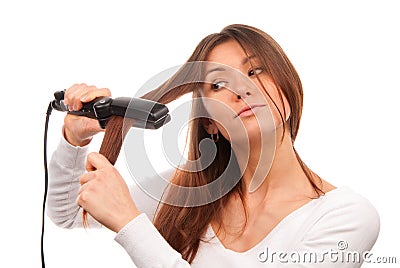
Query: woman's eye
(218, 85)
(255, 71)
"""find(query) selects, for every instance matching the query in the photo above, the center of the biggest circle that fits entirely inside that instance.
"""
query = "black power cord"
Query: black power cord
(46, 181)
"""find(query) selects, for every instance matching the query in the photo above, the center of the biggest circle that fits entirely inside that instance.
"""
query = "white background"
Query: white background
(346, 52)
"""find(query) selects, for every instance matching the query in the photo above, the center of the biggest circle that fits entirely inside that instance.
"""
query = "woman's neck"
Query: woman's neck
(273, 172)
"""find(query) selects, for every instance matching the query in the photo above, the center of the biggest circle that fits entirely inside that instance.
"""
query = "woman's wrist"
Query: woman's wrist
(125, 219)
(73, 140)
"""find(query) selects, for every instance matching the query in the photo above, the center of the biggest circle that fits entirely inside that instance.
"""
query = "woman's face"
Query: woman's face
(234, 98)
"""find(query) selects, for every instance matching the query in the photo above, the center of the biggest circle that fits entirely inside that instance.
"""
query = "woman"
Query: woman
(268, 203)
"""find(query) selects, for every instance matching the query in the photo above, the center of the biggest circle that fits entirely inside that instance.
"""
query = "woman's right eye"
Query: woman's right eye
(218, 85)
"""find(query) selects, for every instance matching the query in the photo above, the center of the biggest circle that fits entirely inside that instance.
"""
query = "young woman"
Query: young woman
(269, 208)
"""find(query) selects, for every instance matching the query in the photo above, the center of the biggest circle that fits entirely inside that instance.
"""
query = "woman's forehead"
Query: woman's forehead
(229, 52)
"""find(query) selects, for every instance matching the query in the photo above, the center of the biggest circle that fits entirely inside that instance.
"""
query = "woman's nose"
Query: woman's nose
(241, 95)
(243, 88)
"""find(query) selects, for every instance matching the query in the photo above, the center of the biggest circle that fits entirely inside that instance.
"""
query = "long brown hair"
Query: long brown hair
(116, 129)
(184, 226)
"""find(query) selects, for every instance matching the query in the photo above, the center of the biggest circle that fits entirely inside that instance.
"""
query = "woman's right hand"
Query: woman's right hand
(79, 130)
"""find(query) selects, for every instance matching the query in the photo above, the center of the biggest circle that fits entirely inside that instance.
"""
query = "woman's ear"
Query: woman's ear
(288, 111)
(286, 106)
(209, 125)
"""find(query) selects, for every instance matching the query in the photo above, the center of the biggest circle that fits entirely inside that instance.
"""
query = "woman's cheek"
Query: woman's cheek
(280, 108)
(222, 114)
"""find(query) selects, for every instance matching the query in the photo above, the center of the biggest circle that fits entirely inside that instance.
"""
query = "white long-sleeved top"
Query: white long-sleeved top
(334, 230)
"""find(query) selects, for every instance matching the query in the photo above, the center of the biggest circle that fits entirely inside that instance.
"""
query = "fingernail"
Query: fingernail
(84, 98)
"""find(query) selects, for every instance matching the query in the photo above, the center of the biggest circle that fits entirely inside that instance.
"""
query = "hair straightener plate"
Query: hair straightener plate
(146, 114)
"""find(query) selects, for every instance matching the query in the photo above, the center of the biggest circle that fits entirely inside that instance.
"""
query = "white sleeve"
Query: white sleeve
(67, 164)
(343, 234)
(146, 246)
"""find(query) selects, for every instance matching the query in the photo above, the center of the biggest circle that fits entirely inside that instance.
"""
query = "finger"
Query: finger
(87, 183)
(77, 200)
(70, 92)
(80, 93)
(83, 187)
(92, 94)
(76, 96)
(81, 200)
(87, 177)
(96, 161)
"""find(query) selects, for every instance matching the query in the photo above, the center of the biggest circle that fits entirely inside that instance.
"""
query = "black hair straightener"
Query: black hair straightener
(146, 114)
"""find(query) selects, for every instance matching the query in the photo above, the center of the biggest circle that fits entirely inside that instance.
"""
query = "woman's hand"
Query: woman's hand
(105, 195)
(79, 130)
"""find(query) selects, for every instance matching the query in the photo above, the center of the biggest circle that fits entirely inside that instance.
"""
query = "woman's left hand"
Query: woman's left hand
(105, 195)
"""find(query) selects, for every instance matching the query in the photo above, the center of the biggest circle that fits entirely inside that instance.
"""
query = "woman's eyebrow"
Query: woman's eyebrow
(217, 69)
(220, 69)
(246, 60)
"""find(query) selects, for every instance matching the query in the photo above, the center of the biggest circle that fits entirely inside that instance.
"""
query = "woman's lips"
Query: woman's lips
(248, 110)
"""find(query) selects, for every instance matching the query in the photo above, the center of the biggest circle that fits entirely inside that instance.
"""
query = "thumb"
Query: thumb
(96, 161)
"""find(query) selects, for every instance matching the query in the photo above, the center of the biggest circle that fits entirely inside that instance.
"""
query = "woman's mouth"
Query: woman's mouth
(248, 110)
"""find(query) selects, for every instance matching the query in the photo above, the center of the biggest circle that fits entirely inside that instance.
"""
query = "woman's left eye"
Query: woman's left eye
(218, 85)
(255, 71)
